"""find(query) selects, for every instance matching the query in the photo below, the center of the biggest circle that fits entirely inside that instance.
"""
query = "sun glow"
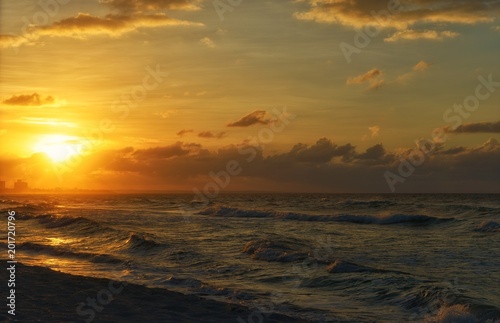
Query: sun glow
(58, 147)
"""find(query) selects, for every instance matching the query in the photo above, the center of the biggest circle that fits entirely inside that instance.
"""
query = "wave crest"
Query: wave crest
(271, 251)
(224, 211)
(488, 226)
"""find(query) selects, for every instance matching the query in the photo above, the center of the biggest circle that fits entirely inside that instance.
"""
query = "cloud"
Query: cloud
(373, 77)
(360, 13)
(166, 114)
(376, 152)
(84, 24)
(411, 34)
(323, 166)
(321, 152)
(178, 149)
(184, 132)
(208, 42)
(209, 134)
(419, 68)
(12, 40)
(34, 99)
(253, 118)
(128, 6)
(374, 131)
(479, 127)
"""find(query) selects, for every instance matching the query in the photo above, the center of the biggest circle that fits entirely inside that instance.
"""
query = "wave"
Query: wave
(52, 221)
(368, 204)
(142, 241)
(63, 252)
(224, 211)
(340, 266)
(344, 267)
(457, 313)
(488, 226)
(197, 287)
(272, 251)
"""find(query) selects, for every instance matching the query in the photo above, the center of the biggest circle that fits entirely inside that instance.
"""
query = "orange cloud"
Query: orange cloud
(84, 24)
(208, 42)
(421, 66)
(373, 77)
(12, 40)
(418, 68)
(426, 35)
(141, 5)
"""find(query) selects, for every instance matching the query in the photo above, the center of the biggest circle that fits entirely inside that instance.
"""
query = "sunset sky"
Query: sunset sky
(157, 94)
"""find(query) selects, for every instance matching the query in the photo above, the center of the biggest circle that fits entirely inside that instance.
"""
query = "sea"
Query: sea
(318, 257)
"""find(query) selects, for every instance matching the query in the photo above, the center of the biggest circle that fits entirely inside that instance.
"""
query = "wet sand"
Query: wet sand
(44, 295)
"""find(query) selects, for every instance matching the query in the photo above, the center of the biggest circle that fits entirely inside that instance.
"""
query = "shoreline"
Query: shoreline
(44, 295)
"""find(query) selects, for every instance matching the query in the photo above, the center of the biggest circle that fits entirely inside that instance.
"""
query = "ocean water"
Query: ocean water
(320, 257)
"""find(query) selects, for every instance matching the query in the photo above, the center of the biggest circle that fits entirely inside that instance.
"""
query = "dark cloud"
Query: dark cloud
(375, 152)
(321, 152)
(410, 13)
(175, 150)
(322, 166)
(209, 134)
(184, 132)
(479, 127)
(128, 6)
(255, 117)
(34, 99)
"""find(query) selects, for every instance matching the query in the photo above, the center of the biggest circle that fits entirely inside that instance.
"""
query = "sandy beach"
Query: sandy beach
(43, 295)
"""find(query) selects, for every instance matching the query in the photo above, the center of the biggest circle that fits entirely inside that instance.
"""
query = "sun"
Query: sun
(58, 147)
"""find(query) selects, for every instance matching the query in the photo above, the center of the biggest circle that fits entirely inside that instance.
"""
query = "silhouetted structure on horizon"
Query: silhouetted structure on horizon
(20, 185)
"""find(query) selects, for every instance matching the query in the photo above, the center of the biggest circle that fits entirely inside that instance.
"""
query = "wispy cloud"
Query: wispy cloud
(12, 40)
(152, 5)
(208, 42)
(184, 132)
(418, 68)
(34, 99)
(84, 24)
(209, 134)
(359, 13)
(425, 34)
(373, 77)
